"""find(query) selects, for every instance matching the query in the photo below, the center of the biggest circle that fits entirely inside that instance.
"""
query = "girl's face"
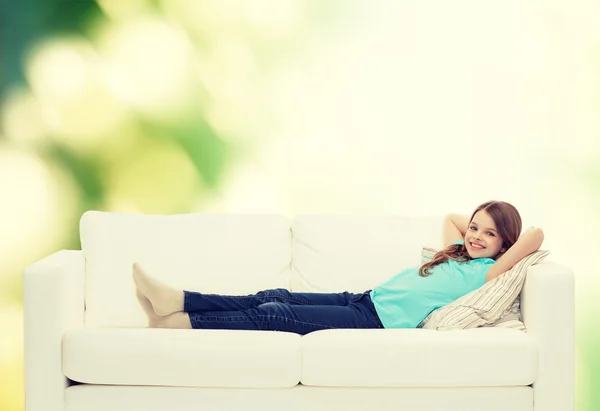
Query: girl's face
(482, 240)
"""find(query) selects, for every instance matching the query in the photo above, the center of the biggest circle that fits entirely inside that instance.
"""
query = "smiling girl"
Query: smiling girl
(479, 248)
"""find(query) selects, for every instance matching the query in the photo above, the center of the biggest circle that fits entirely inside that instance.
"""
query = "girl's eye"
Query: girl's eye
(489, 232)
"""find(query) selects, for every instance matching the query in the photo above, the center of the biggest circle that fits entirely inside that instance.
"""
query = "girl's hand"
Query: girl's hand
(460, 221)
(455, 228)
(529, 242)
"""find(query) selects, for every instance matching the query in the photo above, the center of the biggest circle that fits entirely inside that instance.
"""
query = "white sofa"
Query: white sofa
(87, 346)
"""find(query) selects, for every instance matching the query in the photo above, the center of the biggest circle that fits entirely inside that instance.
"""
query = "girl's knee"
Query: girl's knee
(274, 292)
(270, 308)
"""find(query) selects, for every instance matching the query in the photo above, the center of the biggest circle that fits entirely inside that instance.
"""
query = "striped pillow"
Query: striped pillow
(427, 254)
(493, 304)
(511, 317)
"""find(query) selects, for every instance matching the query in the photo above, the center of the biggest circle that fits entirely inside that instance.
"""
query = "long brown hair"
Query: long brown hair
(508, 224)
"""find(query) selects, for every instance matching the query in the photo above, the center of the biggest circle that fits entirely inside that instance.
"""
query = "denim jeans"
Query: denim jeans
(281, 310)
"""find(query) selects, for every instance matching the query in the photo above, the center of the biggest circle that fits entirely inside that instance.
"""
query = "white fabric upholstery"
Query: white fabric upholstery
(360, 358)
(212, 253)
(548, 309)
(418, 358)
(183, 358)
(335, 253)
(299, 398)
(53, 304)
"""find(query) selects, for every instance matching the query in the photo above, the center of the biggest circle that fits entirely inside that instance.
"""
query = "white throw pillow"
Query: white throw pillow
(495, 303)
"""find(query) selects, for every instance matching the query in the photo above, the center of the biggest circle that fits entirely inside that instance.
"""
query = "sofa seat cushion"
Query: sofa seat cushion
(419, 358)
(183, 358)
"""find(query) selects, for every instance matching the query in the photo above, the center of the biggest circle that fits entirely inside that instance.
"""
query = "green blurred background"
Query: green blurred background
(293, 106)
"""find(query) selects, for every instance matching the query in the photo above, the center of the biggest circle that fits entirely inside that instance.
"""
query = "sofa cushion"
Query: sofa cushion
(182, 358)
(419, 358)
(335, 253)
(511, 318)
(213, 253)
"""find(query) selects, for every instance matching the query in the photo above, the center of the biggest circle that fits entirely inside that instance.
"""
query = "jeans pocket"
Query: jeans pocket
(359, 297)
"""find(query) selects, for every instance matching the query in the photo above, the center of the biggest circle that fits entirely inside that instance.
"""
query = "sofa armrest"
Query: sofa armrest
(53, 302)
(548, 309)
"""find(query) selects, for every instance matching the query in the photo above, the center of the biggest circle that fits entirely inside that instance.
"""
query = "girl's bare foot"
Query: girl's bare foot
(165, 300)
(175, 320)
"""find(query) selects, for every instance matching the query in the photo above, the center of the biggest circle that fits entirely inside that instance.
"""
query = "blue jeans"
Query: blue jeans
(281, 310)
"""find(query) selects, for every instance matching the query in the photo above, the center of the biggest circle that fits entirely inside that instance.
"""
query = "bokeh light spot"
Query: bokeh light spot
(157, 177)
(22, 117)
(69, 79)
(38, 201)
(150, 66)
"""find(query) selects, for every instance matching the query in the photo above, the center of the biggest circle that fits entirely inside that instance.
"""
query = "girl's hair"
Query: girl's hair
(508, 224)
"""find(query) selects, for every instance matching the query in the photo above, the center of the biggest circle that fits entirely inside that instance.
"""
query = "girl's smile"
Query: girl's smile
(476, 247)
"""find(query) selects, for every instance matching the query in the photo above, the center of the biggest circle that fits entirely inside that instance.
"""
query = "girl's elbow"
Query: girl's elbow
(540, 233)
(540, 236)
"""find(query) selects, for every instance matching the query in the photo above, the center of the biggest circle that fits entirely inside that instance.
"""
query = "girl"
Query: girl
(479, 249)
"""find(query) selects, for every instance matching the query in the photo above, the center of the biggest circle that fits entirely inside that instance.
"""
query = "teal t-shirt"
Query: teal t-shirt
(407, 298)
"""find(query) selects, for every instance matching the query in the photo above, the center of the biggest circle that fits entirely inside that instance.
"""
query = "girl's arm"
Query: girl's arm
(455, 227)
(528, 242)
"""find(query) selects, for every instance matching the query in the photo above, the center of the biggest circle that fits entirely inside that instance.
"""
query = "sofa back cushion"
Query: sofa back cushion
(213, 253)
(335, 253)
